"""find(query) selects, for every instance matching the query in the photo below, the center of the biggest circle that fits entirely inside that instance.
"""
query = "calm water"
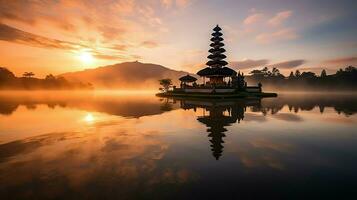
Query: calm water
(114, 146)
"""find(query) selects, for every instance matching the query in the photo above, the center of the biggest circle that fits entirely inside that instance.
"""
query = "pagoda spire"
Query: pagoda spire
(216, 57)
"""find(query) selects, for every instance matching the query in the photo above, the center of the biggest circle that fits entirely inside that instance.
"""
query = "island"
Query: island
(218, 81)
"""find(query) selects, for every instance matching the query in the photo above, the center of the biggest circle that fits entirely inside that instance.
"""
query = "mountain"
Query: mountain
(127, 75)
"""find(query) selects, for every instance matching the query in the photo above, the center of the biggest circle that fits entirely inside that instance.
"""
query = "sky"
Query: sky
(57, 36)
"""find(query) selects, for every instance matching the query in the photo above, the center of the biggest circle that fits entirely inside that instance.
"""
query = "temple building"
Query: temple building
(186, 80)
(216, 70)
(217, 79)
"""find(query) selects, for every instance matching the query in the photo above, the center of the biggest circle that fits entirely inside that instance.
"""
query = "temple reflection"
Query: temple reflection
(219, 114)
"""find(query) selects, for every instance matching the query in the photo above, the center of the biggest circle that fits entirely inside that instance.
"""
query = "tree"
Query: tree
(275, 72)
(166, 84)
(350, 69)
(265, 69)
(6, 74)
(50, 77)
(291, 76)
(323, 73)
(308, 75)
(28, 74)
(297, 73)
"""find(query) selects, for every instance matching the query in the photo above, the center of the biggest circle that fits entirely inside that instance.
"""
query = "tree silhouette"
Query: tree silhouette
(50, 77)
(9, 81)
(28, 74)
(291, 76)
(166, 84)
(342, 79)
(323, 74)
(275, 72)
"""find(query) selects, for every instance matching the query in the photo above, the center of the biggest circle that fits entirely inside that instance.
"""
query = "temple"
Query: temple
(218, 80)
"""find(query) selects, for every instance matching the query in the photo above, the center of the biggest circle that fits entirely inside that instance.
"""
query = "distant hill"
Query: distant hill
(127, 75)
(8, 81)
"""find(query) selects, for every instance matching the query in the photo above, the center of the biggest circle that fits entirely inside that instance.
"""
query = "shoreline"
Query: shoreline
(218, 96)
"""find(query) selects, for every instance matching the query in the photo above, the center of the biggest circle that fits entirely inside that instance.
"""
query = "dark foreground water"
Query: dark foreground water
(113, 146)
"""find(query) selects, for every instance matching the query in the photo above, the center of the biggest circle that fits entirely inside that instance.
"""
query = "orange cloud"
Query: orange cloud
(280, 18)
(11, 34)
(178, 3)
(252, 19)
(182, 3)
(288, 64)
(248, 63)
(149, 44)
(280, 35)
(342, 61)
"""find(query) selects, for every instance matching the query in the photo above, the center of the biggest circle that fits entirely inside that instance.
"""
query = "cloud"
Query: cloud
(287, 117)
(83, 18)
(252, 19)
(248, 63)
(342, 61)
(280, 18)
(120, 47)
(177, 3)
(11, 34)
(182, 3)
(280, 35)
(110, 32)
(109, 57)
(126, 7)
(31, 12)
(288, 64)
(149, 16)
(166, 3)
(269, 29)
(149, 44)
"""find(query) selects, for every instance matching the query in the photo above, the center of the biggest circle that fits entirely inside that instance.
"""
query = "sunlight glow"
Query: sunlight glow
(89, 118)
(86, 57)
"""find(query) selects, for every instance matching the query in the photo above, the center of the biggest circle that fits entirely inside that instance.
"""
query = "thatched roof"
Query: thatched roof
(216, 44)
(215, 34)
(217, 28)
(213, 50)
(215, 63)
(188, 79)
(217, 56)
(217, 71)
(216, 39)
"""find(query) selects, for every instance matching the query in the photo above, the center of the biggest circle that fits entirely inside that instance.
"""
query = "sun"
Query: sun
(89, 118)
(86, 57)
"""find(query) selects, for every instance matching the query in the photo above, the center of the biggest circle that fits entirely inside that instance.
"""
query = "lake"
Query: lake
(92, 145)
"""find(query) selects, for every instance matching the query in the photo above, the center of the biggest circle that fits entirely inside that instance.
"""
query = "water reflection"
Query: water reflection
(90, 146)
(144, 105)
(120, 105)
(217, 115)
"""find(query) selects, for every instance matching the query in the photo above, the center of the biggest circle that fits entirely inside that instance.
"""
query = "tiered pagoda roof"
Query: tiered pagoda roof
(216, 64)
(188, 79)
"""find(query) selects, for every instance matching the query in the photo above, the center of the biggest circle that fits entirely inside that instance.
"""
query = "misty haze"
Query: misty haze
(178, 99)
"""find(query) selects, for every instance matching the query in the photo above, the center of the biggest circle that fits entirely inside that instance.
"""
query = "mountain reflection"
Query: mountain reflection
(120, 105)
